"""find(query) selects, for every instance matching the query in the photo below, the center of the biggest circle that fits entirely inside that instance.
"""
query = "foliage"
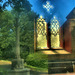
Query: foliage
(6, 25)
(7, 34)
(27, 33)
(0, 54)
(1, 5)
(19, 5)
(7, 38)
(37, 60)
(38, 69)
(22, 16)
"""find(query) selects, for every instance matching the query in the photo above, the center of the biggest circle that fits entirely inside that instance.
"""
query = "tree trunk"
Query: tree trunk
(17, 63)
(17, 40)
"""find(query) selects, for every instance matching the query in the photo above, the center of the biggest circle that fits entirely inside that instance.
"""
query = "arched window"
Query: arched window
(55, 37)
(41, 33)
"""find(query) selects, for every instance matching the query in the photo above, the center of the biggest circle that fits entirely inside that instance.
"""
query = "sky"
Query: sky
(61, 8)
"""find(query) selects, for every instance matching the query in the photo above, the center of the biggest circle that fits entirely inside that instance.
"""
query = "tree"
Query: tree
(1, 5)
(23, 24)
(7, 33)
(19, 6)
(7, 38)
(26, 22)
(27, 34)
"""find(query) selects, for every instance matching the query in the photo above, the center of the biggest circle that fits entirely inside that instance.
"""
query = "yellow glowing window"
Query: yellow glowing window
(41, 33)
(55, 41)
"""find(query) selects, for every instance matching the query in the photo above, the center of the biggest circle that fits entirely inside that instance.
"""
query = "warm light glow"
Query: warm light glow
(55, 41)
(48, 6)
(41, 33)
(54, 25)
(54, 17)
(41, 16)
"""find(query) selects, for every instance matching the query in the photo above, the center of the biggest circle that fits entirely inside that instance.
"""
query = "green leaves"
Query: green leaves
(37, 60)
(22, 16)
(6, 23)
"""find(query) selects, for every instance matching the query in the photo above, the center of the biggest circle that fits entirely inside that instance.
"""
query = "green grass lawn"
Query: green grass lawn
(36, 68)
(5, 65)
(4, 62)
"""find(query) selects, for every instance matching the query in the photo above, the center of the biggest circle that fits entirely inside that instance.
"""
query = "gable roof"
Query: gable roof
(71, 14)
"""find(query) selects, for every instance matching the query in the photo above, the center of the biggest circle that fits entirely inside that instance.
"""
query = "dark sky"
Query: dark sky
(61, 9)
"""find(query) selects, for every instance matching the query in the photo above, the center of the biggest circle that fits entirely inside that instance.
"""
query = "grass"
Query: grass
(4, 62)
(36, 68)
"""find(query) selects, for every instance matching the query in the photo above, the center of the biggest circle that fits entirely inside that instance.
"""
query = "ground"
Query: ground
(4, 62)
